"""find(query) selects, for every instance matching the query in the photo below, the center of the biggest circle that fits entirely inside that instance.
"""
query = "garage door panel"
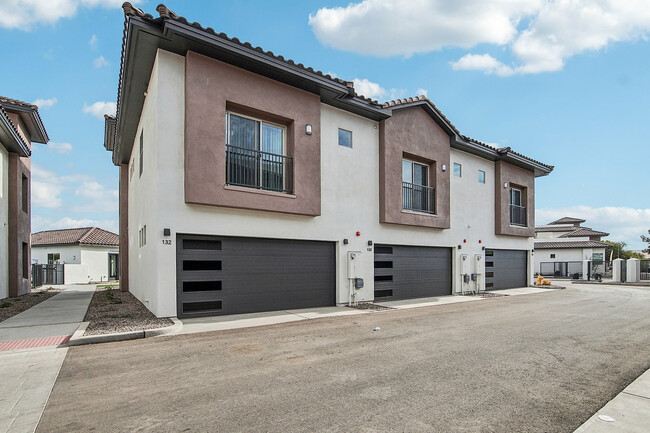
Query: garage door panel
(506, 269)
(403, 272)
(258, 275)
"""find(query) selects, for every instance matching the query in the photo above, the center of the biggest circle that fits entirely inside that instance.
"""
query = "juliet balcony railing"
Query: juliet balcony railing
(518, 215)
(261, 170)
(418, 198)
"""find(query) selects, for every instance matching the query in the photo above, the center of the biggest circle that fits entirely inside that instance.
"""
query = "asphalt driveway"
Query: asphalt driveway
(532, 363)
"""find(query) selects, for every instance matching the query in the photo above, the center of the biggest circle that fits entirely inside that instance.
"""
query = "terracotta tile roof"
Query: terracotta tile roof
(9, 103)
(5, 100)
(83, 236)
(7, 120)
(567, 220)
(414, 99)
(583, 231)
(554, 229)
(164, 14)
(571, 244)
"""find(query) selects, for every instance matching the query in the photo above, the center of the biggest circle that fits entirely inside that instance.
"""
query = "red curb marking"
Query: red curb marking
(34, 342)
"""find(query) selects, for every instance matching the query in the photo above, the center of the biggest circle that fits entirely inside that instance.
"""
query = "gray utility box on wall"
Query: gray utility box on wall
(358, 283)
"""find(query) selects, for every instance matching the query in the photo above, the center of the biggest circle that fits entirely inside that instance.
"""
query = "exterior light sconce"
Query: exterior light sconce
(483, 248)
(505, 184)
(460, 247)
(167, 232)
(369, 243)
(345, 241)
(444, 167)
(308, 129)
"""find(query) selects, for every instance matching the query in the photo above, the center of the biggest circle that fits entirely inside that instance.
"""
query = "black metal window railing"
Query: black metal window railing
(256, 169)
(420, 198)
(518, 215)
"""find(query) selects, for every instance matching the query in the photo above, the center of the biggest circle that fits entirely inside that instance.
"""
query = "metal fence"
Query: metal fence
(561, 269)
(257, 169)
(418, 197)
(645, 269)
(47, 274)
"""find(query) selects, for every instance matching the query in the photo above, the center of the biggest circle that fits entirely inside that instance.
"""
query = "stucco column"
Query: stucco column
(616, 270)
(124, 228)
(633, 271)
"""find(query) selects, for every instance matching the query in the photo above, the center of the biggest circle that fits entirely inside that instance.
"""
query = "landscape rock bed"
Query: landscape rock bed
(112, 310)
(370, 306)
(9, 307)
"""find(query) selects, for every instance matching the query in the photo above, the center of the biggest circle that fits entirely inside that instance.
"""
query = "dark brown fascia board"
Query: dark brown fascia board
(180, 38)
(32, 121)
(110, 123)
(10, 138)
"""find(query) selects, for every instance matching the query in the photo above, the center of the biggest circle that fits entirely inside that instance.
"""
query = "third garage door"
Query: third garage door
(403, 272)
(505, 269)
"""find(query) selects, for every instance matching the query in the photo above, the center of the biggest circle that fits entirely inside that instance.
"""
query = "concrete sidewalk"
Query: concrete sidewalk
(628, 412)
(30, 358)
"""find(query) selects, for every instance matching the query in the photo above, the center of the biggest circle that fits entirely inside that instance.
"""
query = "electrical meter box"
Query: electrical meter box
(464, 264)
(479, 264)
(358, 283)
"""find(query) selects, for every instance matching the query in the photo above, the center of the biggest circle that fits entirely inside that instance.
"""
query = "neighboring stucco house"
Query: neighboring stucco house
(89, 254)
(20, 125)
(562, 245)
(249, 182)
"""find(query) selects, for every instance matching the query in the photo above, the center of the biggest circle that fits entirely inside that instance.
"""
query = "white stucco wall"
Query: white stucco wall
(350, 200)
(566, 255)
(4, 222)
(95, 258)
(69, 254)
(84, 263)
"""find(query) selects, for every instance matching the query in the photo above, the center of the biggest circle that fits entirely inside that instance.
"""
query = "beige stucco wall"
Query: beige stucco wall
(350, 200)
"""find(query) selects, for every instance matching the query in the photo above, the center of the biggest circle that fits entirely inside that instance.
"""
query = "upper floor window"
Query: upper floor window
(256, 154)
(517, 208)
(345, 138)
(481, 176)
(417, 195)
(458, 169)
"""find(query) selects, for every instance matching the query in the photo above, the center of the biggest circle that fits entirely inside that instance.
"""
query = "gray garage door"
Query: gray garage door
(403, 272)
(229, 275)
(505, 269)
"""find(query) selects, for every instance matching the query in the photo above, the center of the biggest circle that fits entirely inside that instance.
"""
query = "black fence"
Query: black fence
(47, 274)
(262, 170)
(645, 269)
(419, 198)
(561, 270)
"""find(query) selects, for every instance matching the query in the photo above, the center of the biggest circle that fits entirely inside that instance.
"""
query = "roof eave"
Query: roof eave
(10, 137)
(32, 121)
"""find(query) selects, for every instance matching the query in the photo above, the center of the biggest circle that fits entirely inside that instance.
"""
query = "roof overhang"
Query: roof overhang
(31, 119)
(145, 35)
(9, 136)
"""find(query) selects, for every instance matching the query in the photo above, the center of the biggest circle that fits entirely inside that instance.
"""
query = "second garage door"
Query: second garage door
(403, 272)
(230, 275)
(505, 269)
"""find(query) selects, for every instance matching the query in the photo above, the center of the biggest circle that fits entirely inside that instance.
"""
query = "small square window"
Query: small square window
(345, 138)
(552, 256)
(458, 169)
(481, 176)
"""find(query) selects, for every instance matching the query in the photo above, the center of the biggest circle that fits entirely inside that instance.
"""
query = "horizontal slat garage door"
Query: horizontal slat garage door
(230, 275)
(403, 272)
(505, 269)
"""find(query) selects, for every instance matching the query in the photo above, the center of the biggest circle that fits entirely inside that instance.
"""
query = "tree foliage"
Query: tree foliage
(619, 251)
(645, 238)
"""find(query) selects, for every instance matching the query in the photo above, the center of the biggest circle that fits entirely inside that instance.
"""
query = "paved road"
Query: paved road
(533, 363)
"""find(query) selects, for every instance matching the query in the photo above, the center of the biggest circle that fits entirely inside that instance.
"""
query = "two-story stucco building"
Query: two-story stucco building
(251, 183)
(20, 125)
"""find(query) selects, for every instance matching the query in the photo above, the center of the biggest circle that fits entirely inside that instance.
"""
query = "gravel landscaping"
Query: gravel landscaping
(114, 311)
(9, 307)
(370, 306)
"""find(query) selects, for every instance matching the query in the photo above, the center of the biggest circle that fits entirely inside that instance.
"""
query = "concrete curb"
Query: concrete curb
(78, 339)
(552, 286)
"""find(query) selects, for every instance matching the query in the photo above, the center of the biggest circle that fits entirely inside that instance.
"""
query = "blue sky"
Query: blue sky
(558, 81)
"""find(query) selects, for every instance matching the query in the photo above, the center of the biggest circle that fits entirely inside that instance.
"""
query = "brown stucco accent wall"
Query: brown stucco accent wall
(19, 225)
(124, 228)
(413, 134)
(210, 87)
(517, 177)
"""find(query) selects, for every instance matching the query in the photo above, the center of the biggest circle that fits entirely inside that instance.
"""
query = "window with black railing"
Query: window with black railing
(255, 155)
(517, 210)
(417, 195)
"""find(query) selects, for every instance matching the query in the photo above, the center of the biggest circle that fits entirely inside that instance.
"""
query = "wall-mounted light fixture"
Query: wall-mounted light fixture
(345, 241)
(444, 167)
(308, 129)
(369, 243)
(167, 232)
(505, 184)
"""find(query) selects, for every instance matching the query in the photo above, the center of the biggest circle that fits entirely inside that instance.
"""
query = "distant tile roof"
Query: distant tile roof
(567, 220)
(570, 244)
(554, 229)
(82, 236)
(583, 231)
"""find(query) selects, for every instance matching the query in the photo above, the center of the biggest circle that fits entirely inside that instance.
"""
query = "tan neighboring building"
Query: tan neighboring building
(20, 125)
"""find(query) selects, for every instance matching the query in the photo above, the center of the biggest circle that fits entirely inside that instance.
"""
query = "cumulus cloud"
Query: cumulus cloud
(93, 41)
(25, 14)
(422, 92)
(44, 104)
(622, 223)
(40, 223)
(540, 35)
(62, 148)
(369, 89)
(100, 62)
(97, 197)
(99, 108)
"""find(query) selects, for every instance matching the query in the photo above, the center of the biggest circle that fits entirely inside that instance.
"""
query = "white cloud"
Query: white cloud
(622, 223)
(553, 31)
(93, 41)
(367, 88)
(42, 223)
(60, 147)
(100, 62)
(44, 104)
(99, 108)
(98, 198)
(422, 92)
(25, 14)
(45, 194)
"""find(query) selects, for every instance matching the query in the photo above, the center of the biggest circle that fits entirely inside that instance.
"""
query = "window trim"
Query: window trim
(479, 176)
(339, 138)
(460, 171)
